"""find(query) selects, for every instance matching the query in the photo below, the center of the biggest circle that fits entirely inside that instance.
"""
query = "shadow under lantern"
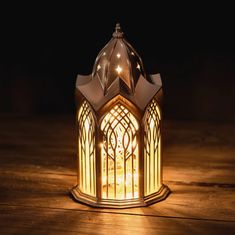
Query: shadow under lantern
(119, 130)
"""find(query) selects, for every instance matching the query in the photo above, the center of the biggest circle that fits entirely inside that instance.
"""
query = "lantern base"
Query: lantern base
(162, 194)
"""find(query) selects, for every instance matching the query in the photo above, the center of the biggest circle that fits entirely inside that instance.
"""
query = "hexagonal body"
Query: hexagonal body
(119, 131)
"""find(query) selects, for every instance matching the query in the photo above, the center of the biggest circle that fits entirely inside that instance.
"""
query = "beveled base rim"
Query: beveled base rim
(160, 195)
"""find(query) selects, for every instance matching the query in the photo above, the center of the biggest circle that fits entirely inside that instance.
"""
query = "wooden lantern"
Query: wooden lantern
(119, 130)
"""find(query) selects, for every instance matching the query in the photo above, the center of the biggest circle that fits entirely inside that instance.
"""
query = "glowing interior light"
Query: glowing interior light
(152, 149)
(120, 154)
(118, 55)
(132, 53)
(118, 69)
(86, 150)
(86, 124)
(104, 53)
(151, 125)
(138, 66)
(98, 67)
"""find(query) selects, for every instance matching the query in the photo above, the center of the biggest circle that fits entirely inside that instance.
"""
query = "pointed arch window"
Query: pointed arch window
(86, 150)
(119, 154)
(152, 148)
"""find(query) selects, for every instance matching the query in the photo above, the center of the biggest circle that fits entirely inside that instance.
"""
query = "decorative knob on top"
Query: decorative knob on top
(118, 31)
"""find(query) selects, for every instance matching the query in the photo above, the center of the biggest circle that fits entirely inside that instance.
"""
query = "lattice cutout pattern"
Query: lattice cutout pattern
(152, 149)
(86, 150)
(120, 154)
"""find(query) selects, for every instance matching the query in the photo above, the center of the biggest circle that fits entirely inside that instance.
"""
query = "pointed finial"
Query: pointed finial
(118, 31)
(118, 27)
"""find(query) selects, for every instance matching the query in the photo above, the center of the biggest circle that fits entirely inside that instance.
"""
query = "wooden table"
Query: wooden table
(38, 168)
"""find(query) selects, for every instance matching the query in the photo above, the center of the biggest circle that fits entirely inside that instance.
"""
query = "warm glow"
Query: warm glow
(151, 125)
(118, 69)
(152, 149)
(86, 150)
(118, 130)
(120, 154)
(98, 67)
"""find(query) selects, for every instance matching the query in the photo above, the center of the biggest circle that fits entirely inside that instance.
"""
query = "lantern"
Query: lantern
(119, 125)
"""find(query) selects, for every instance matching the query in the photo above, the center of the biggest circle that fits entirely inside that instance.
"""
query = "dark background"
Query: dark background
(44, 47)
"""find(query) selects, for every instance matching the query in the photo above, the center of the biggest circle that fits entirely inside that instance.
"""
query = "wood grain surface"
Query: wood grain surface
(38, 168)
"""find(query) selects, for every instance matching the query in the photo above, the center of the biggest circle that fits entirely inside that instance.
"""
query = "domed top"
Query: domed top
(118, 71)
(118, 60)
